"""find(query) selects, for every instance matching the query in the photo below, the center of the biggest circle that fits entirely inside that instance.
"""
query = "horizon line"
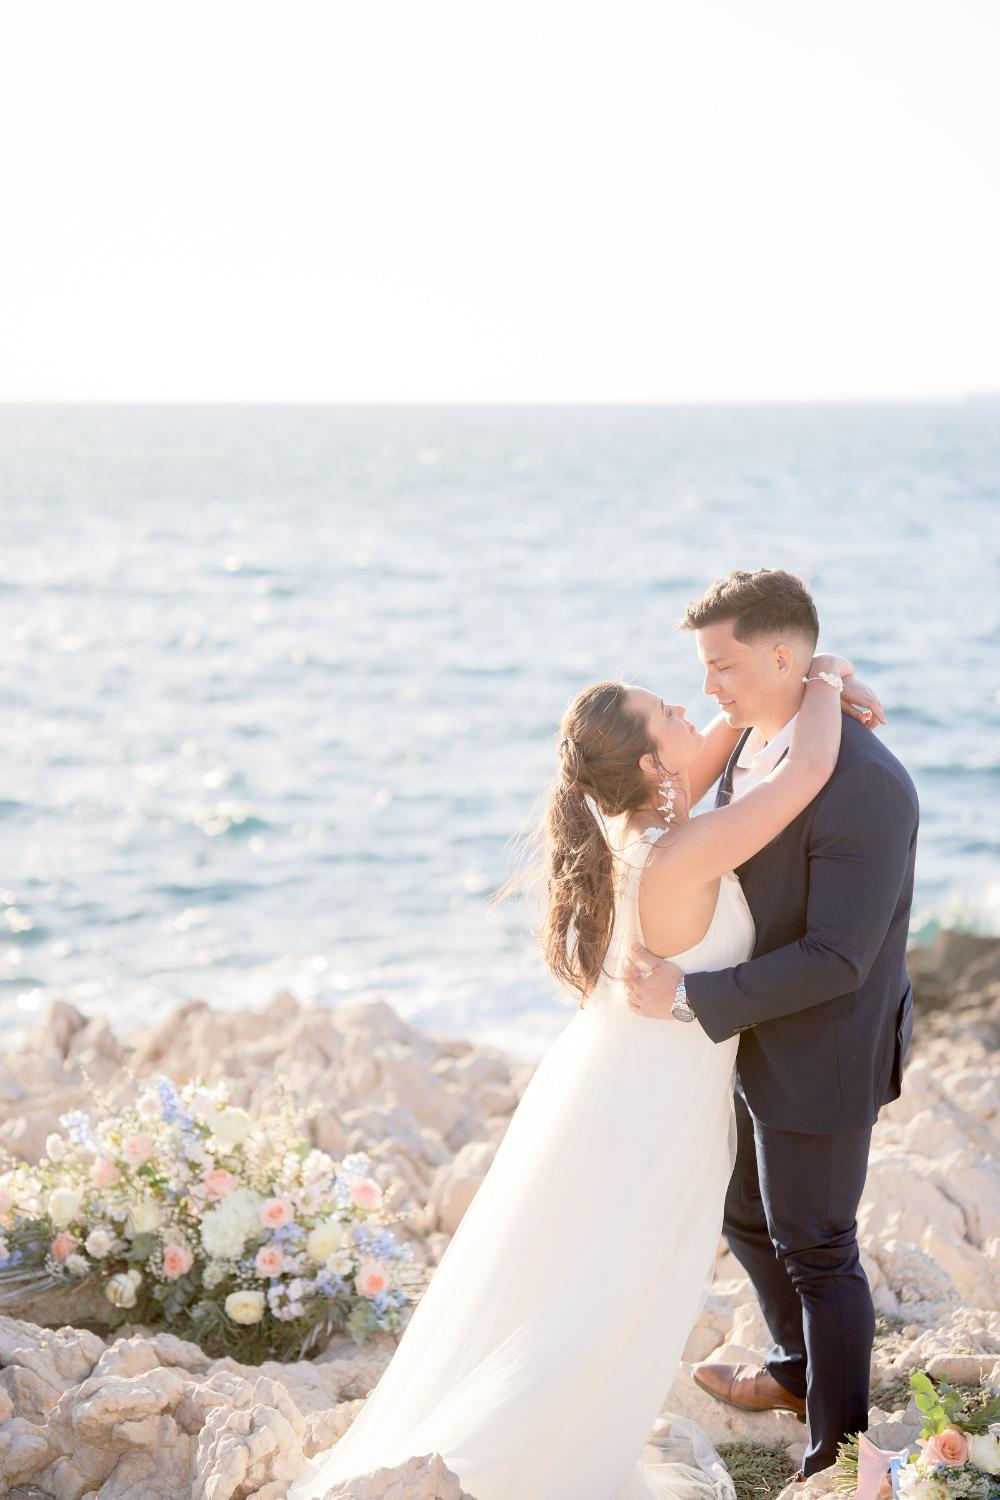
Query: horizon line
(984, 397)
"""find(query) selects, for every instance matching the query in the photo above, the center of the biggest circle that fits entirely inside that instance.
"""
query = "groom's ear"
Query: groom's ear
(784, 658)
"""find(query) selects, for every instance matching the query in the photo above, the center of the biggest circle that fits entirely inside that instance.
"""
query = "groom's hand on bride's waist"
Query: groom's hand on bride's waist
(650, 983)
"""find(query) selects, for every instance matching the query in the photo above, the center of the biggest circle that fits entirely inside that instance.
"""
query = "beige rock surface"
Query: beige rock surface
(144, 1415)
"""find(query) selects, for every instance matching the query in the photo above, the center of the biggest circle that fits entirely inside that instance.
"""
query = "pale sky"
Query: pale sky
(527, 200)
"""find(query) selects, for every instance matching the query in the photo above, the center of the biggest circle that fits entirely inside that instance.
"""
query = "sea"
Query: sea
(281, 684)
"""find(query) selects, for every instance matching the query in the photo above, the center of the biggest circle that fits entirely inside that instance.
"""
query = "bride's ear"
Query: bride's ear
(648, 765)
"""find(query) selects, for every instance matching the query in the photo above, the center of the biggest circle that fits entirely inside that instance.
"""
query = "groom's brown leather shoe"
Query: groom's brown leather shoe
(749, 1387)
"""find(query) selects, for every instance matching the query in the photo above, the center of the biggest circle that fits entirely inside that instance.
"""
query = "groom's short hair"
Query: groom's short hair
(766, 601)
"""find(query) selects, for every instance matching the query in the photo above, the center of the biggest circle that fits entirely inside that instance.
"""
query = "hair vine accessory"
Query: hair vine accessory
(669, 795)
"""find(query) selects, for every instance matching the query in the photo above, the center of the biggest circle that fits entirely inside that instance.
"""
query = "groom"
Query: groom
(823, 1009)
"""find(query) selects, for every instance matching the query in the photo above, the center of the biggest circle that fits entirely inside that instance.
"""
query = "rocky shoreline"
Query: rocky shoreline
(148, 1416)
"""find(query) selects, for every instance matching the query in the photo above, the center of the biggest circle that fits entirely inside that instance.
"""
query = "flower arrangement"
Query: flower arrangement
(956, 1456)
(183, 1209)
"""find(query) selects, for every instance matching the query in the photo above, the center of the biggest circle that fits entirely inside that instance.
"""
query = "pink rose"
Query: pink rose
(366, 1194)
(270, 1260)
(176, 1260)
(947, 1447)
(371, 1279)
(103, 1172)
(276, 1211)
(64, 1244)
(218, 1183)
(137, 1148)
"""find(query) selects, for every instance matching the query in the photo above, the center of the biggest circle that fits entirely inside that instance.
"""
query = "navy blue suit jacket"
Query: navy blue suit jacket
(824, 1007)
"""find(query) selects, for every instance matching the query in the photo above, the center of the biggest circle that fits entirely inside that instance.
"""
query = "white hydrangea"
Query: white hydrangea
(221, 1233)
(78, 1264)
(243, 1205)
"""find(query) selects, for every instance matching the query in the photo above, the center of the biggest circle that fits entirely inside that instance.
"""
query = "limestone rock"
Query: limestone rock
(455, 1185)
(144, 1415)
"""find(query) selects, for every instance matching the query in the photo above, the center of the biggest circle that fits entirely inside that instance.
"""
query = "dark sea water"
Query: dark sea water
(280, 684)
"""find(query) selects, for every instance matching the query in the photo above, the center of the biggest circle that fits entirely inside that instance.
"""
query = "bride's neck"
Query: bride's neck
(680, 812)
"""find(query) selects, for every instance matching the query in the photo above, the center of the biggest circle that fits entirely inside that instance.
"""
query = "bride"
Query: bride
(538, 1360)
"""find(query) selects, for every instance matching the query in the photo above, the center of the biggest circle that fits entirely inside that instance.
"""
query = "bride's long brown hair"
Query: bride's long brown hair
(600, 742)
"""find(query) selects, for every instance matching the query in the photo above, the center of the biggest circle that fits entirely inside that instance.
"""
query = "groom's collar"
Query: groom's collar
(753, 752)
(727, 775)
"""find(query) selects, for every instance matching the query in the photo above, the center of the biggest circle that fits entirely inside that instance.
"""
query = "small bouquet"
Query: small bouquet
(956, 1456)
(185, 1210)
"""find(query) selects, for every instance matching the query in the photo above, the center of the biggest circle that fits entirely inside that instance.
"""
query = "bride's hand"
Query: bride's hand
(862, 702)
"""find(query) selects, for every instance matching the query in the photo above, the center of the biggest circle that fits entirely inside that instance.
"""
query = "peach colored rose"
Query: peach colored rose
(371, 1279)
(176, 1260)
(64, 1244)
(137, 1148)
(274, 1212)
(947, 1447)
(218, 1183)
(366, 1193)
(103, 1172)
(270, 1260)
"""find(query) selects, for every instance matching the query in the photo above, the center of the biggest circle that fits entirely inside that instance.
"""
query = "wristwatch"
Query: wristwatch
(680, 1009)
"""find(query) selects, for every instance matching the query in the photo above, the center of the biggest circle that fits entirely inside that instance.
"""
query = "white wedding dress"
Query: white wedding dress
(541, 1353)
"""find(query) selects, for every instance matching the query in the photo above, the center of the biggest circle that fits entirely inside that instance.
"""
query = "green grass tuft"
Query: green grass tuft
(759, 1470)
(887, 1327)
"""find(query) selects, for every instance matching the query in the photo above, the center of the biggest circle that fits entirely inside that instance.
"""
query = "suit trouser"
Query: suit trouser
(791, 1221)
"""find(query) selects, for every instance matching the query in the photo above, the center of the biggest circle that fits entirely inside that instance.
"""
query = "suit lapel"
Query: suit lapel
(725, 793)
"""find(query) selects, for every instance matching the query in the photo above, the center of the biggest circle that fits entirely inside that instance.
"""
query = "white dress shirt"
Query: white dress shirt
(759, 756)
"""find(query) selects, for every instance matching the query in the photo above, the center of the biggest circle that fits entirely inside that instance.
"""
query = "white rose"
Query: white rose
(200, 1101)
(78, 1264)
(121, 1288)
(98, 1243)
(143, 1218)
(64, 1205)
(229, 1126)
(984, 1452)
(324, 1239)
(55, 1146)
(245, 1306)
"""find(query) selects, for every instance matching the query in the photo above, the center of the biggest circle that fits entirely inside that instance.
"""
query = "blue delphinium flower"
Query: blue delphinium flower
(77, 1126)
(171, 1107)
(330, 1284)
(355, 1164)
